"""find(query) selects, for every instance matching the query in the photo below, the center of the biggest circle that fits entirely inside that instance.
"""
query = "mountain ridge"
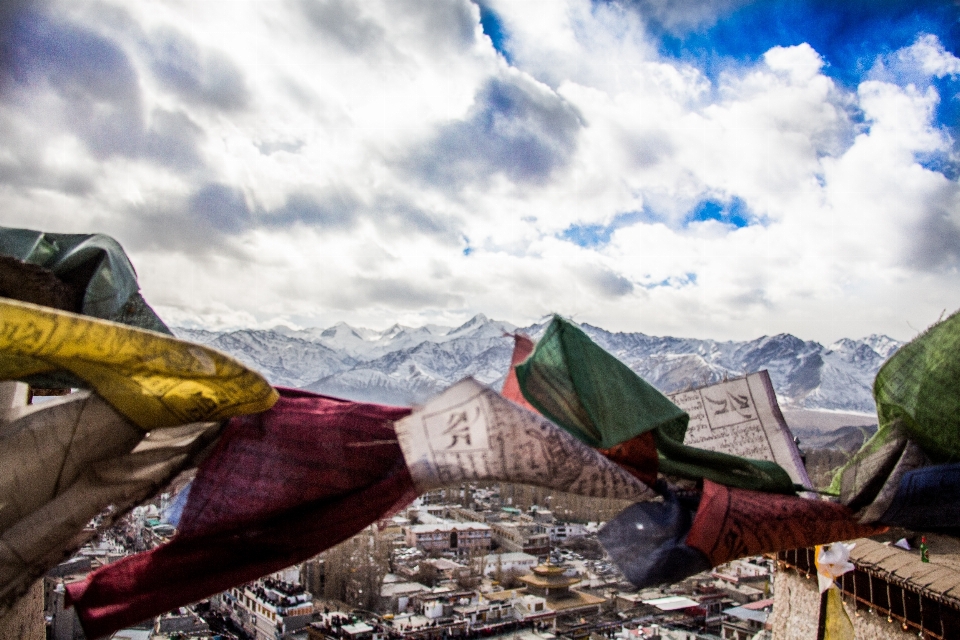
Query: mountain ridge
(406, 365)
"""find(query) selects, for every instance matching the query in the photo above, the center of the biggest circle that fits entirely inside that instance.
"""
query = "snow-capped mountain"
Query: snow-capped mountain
(406, 365)
(284, 359)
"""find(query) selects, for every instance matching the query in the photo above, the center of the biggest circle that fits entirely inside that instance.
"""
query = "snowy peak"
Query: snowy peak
(285, 360)
(341, 331)
(885, 346)
(406, 365)
(473, 323)
(392, 332)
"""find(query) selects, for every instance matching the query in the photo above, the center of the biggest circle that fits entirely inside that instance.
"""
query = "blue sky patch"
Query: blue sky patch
(948, 111)
(940, 162)
(674, 282)
(734, 212)
(850, 35)
(597, 235)
(493, 28)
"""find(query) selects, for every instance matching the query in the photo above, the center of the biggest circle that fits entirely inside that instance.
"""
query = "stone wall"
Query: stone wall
(796, 610)
(25, 619)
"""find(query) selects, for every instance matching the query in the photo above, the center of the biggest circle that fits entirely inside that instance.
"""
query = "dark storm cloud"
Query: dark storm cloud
(935, 240)
(172, 139)
(224, 210)
(607, 283)
(333, 209)
(516, 128)
(11, 12)
(100, 99)
(214, 214)
(400, 294)
(342, 22)
(221, 206)
(90, 73)
(403, 217)
(443, 25)
(199, 76)
(33, 176)
(40, 48)
(339, 208)
(200, 225)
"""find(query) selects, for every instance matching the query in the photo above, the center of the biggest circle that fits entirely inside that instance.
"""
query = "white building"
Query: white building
(515, 561)
(562, 531)
(267, 609)
(397, 594)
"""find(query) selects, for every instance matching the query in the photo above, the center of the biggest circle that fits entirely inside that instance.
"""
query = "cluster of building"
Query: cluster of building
(454, 572)
(494, 569)
(457, 572)
(461, 531)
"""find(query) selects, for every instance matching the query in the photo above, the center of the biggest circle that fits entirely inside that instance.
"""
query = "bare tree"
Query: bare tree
(427, 574)
(498, 569)
(476, 565)
(355, 569)
(511, 578)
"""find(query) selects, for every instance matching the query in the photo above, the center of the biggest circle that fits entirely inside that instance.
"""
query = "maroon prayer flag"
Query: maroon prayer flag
(280, 487)
(733, 523)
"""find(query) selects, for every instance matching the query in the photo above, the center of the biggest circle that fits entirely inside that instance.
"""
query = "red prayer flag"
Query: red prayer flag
(279, 487)
(733, 523)
(637, 455)
(522, 348)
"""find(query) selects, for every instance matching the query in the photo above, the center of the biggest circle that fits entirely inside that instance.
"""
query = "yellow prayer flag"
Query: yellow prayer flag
(153, 379)
(837, 624)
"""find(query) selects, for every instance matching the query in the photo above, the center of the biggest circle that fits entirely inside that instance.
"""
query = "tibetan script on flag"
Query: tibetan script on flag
(469, 432)
(741, 417)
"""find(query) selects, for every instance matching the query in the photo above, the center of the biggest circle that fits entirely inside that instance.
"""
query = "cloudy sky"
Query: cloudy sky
(724, 169)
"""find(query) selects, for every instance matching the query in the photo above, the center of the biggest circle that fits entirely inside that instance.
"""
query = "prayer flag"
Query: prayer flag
(590, 393)
(93, 267)
(918, 406)
(834, 623)
(153, 379)
(471, 433)
(638, 455)
(522, 348)
(647, 542)
(733, 523)
(574, 382)
(278, 487)
(920, 386)
(64, 462)
(927, 499)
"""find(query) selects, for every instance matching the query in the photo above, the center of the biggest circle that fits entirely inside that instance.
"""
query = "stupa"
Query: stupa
(549, 582)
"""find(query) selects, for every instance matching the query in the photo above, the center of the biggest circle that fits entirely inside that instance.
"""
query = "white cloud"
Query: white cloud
(310, 162)
(934, 59)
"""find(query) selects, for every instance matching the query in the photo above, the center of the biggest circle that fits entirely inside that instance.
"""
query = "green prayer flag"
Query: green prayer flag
(590, 393)
(84, 273)
(95, 264)
(682, 460)
(920, 386)
(917, 392)
(587, 391)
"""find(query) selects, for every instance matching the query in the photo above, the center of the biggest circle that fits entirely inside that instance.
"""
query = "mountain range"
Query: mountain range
(405, 365)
